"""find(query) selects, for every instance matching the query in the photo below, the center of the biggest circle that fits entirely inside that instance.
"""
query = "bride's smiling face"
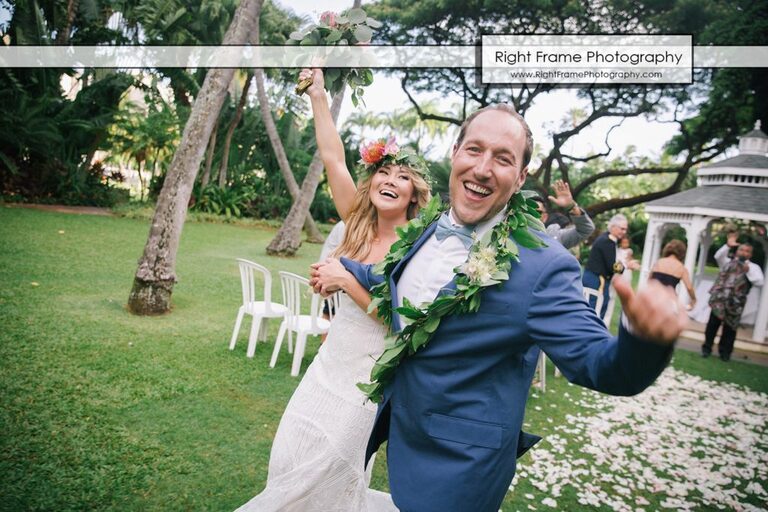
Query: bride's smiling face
(391, 190)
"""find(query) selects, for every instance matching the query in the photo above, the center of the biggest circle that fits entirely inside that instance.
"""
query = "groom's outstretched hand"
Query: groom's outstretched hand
(654, 312)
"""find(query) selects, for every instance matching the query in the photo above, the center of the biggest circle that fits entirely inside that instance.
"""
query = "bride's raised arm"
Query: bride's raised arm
(330, 146)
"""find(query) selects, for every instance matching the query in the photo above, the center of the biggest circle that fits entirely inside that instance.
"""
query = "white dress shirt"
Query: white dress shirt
(431, 268)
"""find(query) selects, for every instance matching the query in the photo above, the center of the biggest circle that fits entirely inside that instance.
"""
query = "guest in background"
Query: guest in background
(582, 224)
(625, 255)
(669, 269)
(602, 263)
(728, 295)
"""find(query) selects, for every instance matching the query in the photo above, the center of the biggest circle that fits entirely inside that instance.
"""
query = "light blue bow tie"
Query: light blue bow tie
(446, 229)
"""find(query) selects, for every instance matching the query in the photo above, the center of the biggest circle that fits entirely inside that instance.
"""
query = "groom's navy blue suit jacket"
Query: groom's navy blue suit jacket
(454, 411)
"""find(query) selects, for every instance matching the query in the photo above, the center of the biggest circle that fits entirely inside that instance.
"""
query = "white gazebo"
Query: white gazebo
(734, 188)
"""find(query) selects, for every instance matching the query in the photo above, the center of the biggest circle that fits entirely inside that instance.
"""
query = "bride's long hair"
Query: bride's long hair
(362, 222)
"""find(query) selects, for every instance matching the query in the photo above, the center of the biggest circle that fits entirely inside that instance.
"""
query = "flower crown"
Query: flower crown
(378, 153)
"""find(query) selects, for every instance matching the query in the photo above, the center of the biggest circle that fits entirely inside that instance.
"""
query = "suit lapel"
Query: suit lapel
(398, 270)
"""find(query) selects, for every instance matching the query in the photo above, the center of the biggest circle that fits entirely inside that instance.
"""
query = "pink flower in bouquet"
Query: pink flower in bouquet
(391, 148)
(329, 18)
(373, 152)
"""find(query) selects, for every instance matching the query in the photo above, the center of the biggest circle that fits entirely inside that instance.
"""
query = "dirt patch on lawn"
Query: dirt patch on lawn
(60, 208)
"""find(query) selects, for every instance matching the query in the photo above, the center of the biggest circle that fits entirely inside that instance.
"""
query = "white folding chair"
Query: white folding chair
(313, 324)
(591, 292)
(260, 310)
(541, 370)
(334, 302)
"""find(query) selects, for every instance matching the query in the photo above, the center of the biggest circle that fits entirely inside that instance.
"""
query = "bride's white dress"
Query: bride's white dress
(318, 455)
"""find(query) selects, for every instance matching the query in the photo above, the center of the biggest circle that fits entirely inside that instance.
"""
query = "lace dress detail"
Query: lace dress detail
(318, 455)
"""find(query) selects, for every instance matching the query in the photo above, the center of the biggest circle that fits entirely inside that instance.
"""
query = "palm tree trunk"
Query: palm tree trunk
(231, 131)
(313, 233)
(288, 239)
(63, 36)
(141, 183)
(156, 273)
(206, 178)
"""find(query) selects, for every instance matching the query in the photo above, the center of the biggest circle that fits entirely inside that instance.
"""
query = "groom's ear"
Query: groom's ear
(521, 179)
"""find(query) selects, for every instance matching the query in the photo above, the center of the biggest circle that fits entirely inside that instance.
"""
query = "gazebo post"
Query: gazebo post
(693, 234)
(706, 243)
(648, 250)
(758, 333)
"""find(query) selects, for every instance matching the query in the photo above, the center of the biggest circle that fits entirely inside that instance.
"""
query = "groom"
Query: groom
(454, 410)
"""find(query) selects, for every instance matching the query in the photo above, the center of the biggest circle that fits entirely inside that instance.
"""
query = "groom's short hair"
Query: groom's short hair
(509, 109)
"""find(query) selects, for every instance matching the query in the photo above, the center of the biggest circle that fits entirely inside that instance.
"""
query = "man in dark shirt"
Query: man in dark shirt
(602, 263)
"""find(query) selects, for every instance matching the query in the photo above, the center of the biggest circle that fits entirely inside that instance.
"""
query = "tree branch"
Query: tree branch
(423, 115)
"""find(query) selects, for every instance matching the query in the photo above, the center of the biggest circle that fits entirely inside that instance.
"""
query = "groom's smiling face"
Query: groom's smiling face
(487, 166)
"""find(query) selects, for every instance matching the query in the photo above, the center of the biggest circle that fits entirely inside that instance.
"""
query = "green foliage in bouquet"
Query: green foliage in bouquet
(353, 27)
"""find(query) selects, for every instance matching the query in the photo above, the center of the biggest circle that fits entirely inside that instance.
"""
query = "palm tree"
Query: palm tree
(155, 275)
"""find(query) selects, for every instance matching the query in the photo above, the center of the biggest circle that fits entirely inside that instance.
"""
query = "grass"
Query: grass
(104, 410)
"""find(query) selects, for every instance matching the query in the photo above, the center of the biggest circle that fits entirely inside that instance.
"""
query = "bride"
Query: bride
(317, 461)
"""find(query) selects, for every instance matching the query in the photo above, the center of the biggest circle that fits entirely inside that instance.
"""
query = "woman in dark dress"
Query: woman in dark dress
(669, 269)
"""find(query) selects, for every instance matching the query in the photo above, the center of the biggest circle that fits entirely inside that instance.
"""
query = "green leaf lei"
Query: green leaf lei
(489, 262)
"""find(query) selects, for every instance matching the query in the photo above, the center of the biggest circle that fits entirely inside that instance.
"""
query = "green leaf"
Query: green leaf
(512, 247)
(180, 12)
(373, 23)
(356, 15)
(532, 205)
(443, 306)
(334, 36)
(431, 324)
(296, 36)
(382, 373)
(390, 341)
(342, 19)
(500, 275)
(375, 302)
(474, 303)
(518, 200)
(373, 391)
(354, 99)
(419, 339)
(363, 34)
(411, 313)
(10, 164)
(534, 223)
(367, 75)
(524, 237)
(332, 74)
(391, 354)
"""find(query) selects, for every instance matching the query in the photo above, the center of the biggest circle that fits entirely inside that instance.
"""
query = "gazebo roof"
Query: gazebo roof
(744, 161)
(731, 198)
(756, 133)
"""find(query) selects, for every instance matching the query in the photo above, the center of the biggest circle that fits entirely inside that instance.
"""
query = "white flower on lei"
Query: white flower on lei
(481, 265)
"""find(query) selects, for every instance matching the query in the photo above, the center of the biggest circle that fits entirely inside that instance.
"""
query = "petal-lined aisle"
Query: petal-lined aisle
(685, 443)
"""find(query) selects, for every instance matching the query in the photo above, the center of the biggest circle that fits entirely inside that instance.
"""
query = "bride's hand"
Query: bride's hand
(318, 81)
(329, 276)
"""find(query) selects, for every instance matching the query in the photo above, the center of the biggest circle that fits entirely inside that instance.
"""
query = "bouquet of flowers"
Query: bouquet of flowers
(352, 27)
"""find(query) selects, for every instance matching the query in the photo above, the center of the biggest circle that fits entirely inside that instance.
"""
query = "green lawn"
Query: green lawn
(104, 410)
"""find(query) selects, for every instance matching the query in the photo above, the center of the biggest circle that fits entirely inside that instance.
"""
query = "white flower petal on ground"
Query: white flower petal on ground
(690, 443)
(549, 502)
